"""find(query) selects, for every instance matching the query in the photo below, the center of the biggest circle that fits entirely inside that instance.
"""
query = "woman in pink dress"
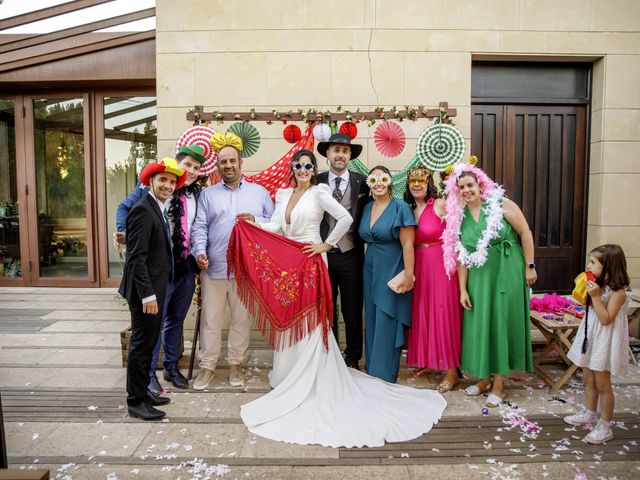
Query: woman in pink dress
(435, 334)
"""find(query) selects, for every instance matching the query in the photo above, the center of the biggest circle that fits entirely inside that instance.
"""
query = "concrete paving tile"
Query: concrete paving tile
(99, 439)
(86, 326)
(22, 437)
(23, 377)
(57, 305)
(88, 315)
(363, 472)
(87, 357)
(187, 404)
(258, 447)
(84, 377)
(24, 356)
(227, 405)
(168, 471)
(193, 440)
(54, 340)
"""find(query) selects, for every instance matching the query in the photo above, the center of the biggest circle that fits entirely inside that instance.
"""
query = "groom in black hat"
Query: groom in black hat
(346, 259)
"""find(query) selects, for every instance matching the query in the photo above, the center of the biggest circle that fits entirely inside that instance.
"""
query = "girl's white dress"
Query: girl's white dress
(316, 399)
(607, 345)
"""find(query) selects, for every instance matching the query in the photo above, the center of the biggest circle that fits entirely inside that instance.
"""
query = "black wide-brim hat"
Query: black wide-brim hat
(342, 139)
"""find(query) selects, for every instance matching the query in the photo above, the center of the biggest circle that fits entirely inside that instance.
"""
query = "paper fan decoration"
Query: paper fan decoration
(349, 128)
(292, 133)
(249, 135)
(200, 135)
(389, 139)
(439, 146)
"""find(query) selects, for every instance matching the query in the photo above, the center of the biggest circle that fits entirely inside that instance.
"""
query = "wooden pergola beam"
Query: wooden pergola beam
(48, 12)
(74, 31)
(134, 108)
(199, 115)
(120, 40)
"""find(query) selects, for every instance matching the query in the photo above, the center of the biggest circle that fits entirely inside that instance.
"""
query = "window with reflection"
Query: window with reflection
(60, 187)
(10, 262)
(130, 142)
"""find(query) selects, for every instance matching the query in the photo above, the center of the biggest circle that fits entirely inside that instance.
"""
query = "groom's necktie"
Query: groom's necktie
(337, 193)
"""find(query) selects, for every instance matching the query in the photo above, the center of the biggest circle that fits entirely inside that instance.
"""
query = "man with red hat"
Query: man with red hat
(147, 271)
(182, 209)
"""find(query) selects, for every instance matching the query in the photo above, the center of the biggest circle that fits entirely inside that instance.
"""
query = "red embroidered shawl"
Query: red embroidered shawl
(280, 285)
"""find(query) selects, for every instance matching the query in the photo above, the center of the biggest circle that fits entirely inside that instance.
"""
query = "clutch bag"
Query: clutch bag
(396, 282)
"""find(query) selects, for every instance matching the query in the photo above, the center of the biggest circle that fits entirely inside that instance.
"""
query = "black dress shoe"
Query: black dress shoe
(145, 412)
(154, 385)
(176, 378)
(156, 400)
(351, 363)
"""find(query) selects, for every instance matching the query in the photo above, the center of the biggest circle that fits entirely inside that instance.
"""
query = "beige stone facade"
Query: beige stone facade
(233, 55)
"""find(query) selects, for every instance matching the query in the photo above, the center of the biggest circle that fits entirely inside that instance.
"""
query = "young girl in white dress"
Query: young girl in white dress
(601, 346)
(316, 398)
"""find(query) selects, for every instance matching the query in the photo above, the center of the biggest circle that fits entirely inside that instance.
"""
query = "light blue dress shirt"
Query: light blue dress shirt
(218, 206)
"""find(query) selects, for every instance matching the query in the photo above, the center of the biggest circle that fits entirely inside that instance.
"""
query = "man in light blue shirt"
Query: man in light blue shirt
(218, 208)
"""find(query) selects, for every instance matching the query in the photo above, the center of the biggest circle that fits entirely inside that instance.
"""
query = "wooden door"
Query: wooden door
(538, 153)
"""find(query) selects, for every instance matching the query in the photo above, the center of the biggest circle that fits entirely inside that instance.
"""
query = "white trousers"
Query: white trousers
(216, 296)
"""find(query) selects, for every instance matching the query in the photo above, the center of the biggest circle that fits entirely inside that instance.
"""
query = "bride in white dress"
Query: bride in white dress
(316, 398)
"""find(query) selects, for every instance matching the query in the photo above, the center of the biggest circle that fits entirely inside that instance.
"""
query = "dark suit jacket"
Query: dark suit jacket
(359, 198)
(148, 265)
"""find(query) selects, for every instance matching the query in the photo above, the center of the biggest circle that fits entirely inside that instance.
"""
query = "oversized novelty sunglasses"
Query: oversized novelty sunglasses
(306, 166)
(378, 179)
(419, 181)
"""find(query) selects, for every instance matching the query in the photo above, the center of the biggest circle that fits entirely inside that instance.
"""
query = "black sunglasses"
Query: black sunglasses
(306, 166)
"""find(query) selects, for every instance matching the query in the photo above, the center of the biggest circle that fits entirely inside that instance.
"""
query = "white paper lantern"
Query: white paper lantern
(321, 132)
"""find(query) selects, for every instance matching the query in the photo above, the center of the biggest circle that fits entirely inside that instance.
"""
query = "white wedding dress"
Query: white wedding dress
(316, 398)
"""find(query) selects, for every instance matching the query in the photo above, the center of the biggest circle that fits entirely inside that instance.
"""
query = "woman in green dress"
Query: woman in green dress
(495, 272)
(388, 227)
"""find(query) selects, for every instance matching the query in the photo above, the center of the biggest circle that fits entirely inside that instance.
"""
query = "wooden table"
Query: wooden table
(558, 334)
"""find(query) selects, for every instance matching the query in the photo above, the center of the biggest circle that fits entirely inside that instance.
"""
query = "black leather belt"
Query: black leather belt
(334, 250)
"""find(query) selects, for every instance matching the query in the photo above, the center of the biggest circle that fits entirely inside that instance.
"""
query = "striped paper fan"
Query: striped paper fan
(200, 135)
(249, 135)
(439, 146)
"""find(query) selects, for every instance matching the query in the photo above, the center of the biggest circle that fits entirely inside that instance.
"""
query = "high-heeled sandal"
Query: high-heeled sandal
(445, 385)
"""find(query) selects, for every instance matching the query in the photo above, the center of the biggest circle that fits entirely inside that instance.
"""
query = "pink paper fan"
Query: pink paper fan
(389, 139)
(200, 135)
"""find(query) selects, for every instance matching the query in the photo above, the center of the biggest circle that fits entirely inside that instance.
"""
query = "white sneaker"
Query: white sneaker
(204, 379)
(600, 434)
(236, 376)
(582, 418)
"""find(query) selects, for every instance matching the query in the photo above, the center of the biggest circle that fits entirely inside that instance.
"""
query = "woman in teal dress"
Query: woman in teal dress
(495, 273)
(388, 228)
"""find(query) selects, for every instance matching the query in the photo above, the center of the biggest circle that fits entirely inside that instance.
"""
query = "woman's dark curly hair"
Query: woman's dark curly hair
(432, 191)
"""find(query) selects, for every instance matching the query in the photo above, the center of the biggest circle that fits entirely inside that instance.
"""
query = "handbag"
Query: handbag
(396, 282)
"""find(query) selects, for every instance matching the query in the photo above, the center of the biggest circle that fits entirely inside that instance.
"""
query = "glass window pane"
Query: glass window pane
(130, 142)
(10, 262)
(59, 160)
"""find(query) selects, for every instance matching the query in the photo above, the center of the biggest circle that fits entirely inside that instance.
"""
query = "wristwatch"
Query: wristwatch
(531, 265)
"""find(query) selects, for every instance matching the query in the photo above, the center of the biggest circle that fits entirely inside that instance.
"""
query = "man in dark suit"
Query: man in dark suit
(346, 259)
(147, 271)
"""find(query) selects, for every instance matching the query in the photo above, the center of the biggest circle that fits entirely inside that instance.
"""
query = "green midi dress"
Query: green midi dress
(496, 335)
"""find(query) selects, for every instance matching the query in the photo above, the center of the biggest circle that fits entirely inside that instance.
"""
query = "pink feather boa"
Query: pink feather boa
(455, 210)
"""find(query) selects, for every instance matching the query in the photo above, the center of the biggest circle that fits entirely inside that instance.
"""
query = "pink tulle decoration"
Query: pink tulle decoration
(455, 210)
(549, 302)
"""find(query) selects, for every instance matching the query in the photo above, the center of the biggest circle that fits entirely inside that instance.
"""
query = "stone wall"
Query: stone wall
(237, 54)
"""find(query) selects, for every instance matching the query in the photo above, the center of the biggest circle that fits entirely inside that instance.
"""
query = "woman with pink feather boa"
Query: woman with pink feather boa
(494, 272)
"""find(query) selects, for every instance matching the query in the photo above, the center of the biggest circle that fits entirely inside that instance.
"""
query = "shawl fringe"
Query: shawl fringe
(281, 333)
